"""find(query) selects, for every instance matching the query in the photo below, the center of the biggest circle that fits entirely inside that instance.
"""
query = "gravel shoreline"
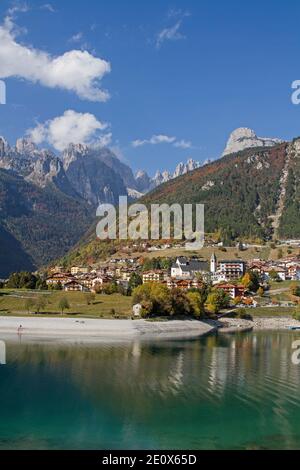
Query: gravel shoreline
(260, 323)
(100, 329)
(95, 330)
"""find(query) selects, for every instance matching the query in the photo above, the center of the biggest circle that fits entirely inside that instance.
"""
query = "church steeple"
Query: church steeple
(213, 263)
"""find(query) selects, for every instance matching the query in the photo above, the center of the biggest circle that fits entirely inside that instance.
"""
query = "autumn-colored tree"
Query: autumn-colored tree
(155, 298)
(217, 300)
(261, 291)
(246, 280)
(195, 301)
(180, 302)
(251, 281)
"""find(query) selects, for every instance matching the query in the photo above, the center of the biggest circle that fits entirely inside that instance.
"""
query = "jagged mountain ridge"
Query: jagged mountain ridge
(95, 174)
(40, 167)
(146, 184)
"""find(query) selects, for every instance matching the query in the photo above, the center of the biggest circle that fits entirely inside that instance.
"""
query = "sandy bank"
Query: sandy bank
(94, 329)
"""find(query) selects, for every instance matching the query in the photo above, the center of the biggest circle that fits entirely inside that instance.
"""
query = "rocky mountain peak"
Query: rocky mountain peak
(183, 168)
(140, 174)
(25, 146)
(142, 180)
(77, 149)
(243, 138)
(4, 146)
(144, 183)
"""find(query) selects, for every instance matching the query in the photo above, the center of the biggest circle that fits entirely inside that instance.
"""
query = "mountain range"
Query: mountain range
(252, 194)
(145, 183)
(47, 201)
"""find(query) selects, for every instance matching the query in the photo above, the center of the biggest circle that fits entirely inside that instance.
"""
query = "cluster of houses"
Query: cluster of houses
(85, 279)
(188, 273)
(284, 269)
(185, 273)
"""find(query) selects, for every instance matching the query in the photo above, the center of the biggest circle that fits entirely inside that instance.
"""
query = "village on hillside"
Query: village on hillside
(243, 281)
(233, 276)
(184, 273)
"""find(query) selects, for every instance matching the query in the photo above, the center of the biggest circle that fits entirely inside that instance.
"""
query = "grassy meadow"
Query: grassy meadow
(271, 312)
(13, 302)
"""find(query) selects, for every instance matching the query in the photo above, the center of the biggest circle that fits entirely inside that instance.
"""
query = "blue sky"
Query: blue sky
(187, 71)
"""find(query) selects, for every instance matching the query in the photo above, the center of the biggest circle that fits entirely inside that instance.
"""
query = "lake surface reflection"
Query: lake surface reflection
(234, 392)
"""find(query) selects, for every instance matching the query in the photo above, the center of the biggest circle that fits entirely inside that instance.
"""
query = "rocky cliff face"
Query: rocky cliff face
(120, 168)
(243, 138)
(142, 181)
(40, 167)
(94, 180)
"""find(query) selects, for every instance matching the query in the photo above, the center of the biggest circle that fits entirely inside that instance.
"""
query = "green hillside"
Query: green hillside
(240, 192)
(37, 225)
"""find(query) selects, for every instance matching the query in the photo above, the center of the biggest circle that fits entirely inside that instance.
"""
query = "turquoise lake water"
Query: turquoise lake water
(234, 392)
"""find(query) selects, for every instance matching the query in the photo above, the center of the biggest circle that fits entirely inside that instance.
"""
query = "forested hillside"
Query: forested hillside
(36, 225)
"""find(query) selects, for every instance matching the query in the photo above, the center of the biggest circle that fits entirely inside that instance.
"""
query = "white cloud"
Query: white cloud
(104, 140)
(172, 32)
(17, 8)
(76, 70)
(76, 37)
(71, 127)
(183, 144)
(154, 140)
(177, 12)
(169, 34)
(162, 139)
(48, 7)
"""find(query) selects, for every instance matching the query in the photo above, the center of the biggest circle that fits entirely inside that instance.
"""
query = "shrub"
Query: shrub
(63, 304)
(40, 303)
(89, 298)
(243, 314)
(295, 289)
(296, 315)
